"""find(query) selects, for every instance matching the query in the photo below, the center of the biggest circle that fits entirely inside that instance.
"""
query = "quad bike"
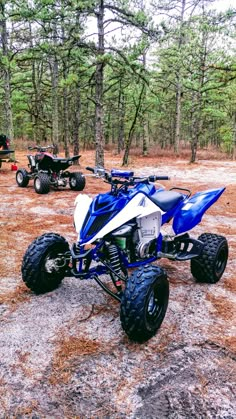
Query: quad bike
(4, 149)
(124, 229)
(47, 170)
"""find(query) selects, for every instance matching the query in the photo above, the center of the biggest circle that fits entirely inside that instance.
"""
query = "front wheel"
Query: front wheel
(144, 302)
(42, 183)
(22, 178)
(77, 181)
(210, 265)
(45, 262)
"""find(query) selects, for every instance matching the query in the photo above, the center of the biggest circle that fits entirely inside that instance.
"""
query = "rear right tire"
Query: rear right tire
(210, 265)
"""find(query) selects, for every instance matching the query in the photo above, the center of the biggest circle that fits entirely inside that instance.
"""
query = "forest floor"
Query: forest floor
(65, 355)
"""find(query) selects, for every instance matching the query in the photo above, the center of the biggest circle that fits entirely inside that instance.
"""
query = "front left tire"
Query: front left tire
(144, 303)
(44, 264)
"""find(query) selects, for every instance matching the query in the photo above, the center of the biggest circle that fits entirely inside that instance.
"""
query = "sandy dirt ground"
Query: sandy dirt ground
(65, 355)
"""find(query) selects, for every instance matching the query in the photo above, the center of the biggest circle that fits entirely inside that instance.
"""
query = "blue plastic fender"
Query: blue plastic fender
(191, 211)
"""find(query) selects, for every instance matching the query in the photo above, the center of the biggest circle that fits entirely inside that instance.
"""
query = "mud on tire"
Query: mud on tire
(210, 266)
(77, 181)
(43, 265)
(144, 302)
(22, 178)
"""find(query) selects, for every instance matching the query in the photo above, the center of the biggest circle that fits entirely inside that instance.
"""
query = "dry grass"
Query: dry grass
(230, 284)
(19, 295)
(230, 343)
(69, 348)
(26, 410)
(210, 153)
(224, 308)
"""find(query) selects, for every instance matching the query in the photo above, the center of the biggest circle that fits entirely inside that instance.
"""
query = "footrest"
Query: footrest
(187, 248)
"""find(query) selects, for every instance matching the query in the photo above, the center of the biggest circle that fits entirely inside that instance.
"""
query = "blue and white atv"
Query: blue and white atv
(124, 229)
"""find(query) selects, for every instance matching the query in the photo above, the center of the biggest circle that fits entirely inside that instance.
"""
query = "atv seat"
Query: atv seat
(166, 200)
(65, 159)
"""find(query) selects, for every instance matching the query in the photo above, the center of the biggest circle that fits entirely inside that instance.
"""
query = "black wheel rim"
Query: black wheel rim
(221, 261)
(153, 307)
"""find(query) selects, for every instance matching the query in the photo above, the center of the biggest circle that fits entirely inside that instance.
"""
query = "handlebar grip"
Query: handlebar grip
(163, 178)
(91, 169)
(155, 178)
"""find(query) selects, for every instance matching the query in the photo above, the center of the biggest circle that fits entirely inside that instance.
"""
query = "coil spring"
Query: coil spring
(115, 262)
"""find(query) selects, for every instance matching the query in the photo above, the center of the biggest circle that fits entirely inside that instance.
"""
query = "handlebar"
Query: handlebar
(128, 179)
(40, 148)
(98, 171)
(91, 169)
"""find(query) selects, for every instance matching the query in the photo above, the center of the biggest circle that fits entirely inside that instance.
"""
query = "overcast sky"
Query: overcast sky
(224, 4)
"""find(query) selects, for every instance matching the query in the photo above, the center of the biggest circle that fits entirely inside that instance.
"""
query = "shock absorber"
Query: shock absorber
(115, 265)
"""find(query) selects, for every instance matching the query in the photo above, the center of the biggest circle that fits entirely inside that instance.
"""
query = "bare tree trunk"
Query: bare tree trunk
(65, 122)
(131, 131)
(65, 128)
(9, 130)
(234, 136)
(145, 118)
(86, 129)
(121, 112)
(198, 100)
(177, 116)
(179, 85)
(54, 80)
(194, 132)
(197, 123)
(36, 96)
(109, 128)
(99, 123)
(55, 116)
(76, 124)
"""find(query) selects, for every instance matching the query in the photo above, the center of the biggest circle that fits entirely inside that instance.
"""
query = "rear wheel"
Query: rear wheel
(144, 302)
(42, 183)
(44, 263)
(77, 181)
(22, 178)
(210, 265)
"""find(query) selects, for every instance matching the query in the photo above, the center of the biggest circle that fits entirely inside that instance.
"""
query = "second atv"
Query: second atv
(47, 170)
(4, 149)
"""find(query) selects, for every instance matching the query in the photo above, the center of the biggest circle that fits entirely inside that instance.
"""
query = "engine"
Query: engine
(144, 250)
(127, 238)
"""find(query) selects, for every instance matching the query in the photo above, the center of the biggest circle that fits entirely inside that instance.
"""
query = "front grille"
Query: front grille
(98, 223)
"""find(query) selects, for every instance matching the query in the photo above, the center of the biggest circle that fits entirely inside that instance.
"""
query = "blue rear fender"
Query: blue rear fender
(190, 213)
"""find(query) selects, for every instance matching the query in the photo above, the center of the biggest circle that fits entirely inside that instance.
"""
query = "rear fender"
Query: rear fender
(192, 209)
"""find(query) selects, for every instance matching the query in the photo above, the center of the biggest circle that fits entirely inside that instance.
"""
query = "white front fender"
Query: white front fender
(82, 204)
